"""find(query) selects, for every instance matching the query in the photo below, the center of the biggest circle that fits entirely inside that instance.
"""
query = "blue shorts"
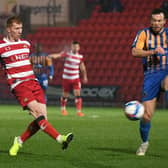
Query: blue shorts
(152, 85)
(43, 80)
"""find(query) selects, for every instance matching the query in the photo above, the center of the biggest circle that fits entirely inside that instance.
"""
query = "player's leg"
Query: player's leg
(23, 96)
(78, 99)
(30, 131)
(165, 88)
(145, 122)
(151, 89)
(78, 103)
(64, 99)
(18, 141)
(32, 128)
(66, 88)
(145, 125)
(38, 110)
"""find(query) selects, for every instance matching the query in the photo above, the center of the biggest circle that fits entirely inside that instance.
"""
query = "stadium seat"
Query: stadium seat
(106, 40)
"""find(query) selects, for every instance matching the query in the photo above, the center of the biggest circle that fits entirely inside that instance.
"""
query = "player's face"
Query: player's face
(75, 48)
(15, 31)
(157, 22)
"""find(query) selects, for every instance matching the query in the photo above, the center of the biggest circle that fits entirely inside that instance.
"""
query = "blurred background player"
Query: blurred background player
(151, 45)
(42, 66)
(71, 79)
(14, 53)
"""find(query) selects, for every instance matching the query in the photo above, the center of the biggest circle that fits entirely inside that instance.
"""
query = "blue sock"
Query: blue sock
(144, 130)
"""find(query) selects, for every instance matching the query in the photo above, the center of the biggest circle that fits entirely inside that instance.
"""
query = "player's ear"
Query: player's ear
(165, 21)
(8, 29)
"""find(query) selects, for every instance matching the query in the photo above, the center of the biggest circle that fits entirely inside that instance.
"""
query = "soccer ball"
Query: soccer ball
(134, 110)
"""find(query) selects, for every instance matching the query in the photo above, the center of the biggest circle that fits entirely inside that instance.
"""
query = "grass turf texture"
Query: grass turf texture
(104, 138)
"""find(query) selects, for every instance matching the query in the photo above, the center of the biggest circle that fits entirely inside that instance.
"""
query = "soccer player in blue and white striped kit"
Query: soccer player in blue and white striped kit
(151, 44)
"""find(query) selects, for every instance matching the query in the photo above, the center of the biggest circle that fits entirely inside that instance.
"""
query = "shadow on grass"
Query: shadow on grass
(30, 154)
(4, 151)
(116, 151)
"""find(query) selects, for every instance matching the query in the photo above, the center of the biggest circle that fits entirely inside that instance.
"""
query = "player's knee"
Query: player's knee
(64, 98)
(36, 112)
(77, 93)
(147, 117)
(165, 87)
(38, 120)
(164, 84)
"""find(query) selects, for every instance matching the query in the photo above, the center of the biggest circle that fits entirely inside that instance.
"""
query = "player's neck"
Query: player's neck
(74, 52)
(156, 33)
(11, 39)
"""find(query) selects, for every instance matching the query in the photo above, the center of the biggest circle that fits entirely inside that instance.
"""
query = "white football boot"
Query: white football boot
(142, 149)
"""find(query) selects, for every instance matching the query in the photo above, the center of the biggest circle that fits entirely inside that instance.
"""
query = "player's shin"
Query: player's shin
(63, 102)
(63, 106)
(78, 102)
(144, 130)
(47, 127)
(31, 130)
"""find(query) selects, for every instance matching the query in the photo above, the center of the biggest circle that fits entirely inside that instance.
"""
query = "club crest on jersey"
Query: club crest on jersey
(25, 99)
(7, 48)
(25, 46)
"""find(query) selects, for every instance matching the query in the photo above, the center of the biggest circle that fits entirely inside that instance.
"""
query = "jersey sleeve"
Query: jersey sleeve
(63, 54)
(50, 66)
(140, 40)
(48, 61)
(82, 59)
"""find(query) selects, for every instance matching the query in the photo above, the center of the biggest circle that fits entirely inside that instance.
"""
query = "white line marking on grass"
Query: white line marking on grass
(94, 116)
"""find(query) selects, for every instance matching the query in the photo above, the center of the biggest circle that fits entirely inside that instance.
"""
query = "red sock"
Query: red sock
(31, 130)
(47, 127)
(78, 102)
(63, 102)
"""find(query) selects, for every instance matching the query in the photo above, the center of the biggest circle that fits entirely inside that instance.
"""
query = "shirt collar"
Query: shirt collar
(7, 41)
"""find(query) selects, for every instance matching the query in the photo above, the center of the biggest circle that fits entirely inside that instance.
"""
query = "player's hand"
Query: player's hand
(159, 50)
(50, 77)
(85, 80)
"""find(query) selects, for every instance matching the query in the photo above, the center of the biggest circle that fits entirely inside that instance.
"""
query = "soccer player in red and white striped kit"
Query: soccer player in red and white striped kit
(71, 78)
(14, 54)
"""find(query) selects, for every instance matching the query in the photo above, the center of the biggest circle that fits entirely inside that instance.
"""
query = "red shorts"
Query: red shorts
(28, 91)
(69, 85)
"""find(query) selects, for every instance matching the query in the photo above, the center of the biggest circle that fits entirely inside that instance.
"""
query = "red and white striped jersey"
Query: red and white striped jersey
(71, 65)
(15, 59)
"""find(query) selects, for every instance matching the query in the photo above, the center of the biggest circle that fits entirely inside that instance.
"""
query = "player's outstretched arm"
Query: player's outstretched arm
(55, 55)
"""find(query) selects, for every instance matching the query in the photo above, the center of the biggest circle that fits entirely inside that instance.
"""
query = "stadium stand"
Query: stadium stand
(106, 40)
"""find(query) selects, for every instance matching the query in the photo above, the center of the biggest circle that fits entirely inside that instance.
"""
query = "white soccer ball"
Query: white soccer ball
(134, 110)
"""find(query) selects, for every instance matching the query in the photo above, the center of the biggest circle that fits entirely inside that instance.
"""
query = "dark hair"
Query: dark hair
(158, 11)
(13, 19)
(75, 42)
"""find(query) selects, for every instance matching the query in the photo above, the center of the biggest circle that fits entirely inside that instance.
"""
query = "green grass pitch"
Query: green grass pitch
(104, 138)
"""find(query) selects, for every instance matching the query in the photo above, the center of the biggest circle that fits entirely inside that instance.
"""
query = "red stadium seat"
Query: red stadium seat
(106, 40)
